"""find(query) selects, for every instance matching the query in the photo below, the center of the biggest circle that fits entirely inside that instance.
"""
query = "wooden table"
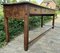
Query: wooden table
(22, 11)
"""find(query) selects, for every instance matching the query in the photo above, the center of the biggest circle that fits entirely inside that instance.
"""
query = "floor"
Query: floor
(48, 43)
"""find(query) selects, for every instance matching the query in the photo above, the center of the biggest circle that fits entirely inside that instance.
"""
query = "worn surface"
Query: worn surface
(49, 43)
(15, 11)
(18, 10)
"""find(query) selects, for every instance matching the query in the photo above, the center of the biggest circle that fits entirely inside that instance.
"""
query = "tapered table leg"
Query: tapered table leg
(53, 22)
(26, 33)
(41, 21)
(6, 29)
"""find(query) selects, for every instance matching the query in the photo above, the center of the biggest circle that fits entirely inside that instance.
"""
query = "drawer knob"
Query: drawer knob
(35, 9)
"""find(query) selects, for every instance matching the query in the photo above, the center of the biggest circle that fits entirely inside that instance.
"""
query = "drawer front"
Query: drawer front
(47, 11)
(35, 10)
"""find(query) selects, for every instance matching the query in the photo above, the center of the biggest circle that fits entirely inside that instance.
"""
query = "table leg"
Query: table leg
(26, 33)
(41, 21)
(6, 29)
(53, 22)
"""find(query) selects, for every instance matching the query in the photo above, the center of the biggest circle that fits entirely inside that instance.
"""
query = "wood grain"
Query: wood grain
(15, 11)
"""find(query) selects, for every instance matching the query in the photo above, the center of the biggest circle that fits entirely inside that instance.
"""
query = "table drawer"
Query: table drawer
(35, 10)
(47, 11)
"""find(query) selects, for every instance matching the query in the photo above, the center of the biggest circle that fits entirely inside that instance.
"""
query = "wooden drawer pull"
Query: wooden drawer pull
(35, 9)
